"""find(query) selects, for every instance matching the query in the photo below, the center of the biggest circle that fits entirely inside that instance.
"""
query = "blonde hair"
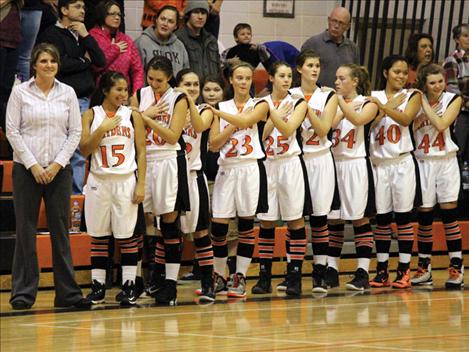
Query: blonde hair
(360, 73)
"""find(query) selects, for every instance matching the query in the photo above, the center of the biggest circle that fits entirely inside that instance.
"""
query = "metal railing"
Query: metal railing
(378, 24)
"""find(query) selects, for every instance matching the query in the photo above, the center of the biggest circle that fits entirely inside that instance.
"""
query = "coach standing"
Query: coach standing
(335, 50)
(43, 125)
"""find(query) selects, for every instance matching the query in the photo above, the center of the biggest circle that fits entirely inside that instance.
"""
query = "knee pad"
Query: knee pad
(384, 219)
(402, 218)
(449, 215)
(219, 230)
(245, 224)
(318, 221)
(425, 217)
(169, 230)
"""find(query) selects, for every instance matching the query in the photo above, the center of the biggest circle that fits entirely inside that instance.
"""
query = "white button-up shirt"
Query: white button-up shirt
(43, 129)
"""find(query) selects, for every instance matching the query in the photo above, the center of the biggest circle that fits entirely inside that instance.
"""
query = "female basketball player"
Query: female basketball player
(114, 136)
(166, 189)
(322, 107)
(439, 173)
(394, 170)
(287, 180)
(196, 221)
(240, 186)
(355, 183)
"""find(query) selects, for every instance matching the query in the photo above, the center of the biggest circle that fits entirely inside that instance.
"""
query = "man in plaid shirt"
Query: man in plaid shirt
(457, 78)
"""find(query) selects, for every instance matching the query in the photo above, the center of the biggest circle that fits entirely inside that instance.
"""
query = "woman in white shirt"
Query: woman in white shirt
(43, 126)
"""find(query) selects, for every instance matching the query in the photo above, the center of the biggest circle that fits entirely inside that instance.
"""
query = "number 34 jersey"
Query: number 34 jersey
(244, 144)
(348, 140)
(115, 154)
(389, 139)
(428, 140)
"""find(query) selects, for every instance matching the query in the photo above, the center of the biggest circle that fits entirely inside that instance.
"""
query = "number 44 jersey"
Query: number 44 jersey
(116, 152)
(429, 141)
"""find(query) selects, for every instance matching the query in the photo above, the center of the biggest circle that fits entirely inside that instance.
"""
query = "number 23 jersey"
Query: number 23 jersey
(115, 154)
(244, 144)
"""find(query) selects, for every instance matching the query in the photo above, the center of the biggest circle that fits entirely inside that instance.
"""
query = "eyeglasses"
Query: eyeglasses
(114, 14)
(337, 23)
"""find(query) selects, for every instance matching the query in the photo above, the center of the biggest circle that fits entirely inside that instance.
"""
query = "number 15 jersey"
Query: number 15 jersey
(115, 154)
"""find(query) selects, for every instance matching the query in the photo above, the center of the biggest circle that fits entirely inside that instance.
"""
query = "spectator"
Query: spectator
(245, 50)
(119, 49)
(90, 14)
(78, 52)
(10, 39)
(201, 46)
(334, 48)
(419, 52)
(160, 40)
(30, 21)
(44, 128)
(151, 8)
(50, 15)
(457, 79)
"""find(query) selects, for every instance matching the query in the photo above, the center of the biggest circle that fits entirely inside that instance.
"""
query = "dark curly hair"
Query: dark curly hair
(412, 48)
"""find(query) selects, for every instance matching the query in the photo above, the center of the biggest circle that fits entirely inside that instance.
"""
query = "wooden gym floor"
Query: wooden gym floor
(378, 320)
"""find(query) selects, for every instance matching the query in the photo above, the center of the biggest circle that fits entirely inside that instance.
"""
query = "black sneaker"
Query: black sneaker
(319, 278)
(282, 286)
(294, 282)
(264, 284)
(129, 294)
(207, 293)
(139, 289)
(332, 277)
(167, 294)
(382, 276)
(156, 282)
(360, 281)
(98, 292)
(221, 287)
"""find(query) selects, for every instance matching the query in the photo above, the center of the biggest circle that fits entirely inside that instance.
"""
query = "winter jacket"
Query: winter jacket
(149, 46)
(128, 63)
(75, 68)
(204, 57)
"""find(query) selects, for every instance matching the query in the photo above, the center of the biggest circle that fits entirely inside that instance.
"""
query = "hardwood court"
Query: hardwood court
(380, 320)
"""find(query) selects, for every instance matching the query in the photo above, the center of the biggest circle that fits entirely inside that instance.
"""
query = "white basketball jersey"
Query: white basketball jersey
(348, 140)
(428, 141)
(154, 142)
(116, 152)
(389, 139)
(244, 144)
(193, 146)
(312, 143)
(276, 145)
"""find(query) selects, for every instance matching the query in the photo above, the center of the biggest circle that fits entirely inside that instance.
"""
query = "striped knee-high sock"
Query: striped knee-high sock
(129, 258)
(319, 238)
(336, 242)
(452, 232)
(99, 255)
(204, 255)
(424, 234)
(363, 245)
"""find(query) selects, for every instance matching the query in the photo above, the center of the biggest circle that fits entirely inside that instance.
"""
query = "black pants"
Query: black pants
(27, 195)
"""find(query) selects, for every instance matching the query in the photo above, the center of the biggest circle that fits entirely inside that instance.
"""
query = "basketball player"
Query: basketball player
(287, 180)
(439, 173)
(240, 185)
(354, 177)
(196, 221)
(322, 107)
(114, 136)
(166, 189)
(394, 169)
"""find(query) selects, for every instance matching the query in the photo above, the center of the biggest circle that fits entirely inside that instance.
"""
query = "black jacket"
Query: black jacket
(75, 68)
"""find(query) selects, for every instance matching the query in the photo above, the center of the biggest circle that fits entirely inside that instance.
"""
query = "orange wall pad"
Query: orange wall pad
(7, 185)
(81, 244)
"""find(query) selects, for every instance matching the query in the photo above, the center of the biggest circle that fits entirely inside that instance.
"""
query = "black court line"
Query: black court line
(313, 296)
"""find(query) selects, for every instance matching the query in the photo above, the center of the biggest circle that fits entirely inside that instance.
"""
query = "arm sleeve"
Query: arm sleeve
(74, 131)
(96, 54)
(13, 130)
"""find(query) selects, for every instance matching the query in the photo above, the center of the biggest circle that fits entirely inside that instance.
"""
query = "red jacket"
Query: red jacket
(128, 63)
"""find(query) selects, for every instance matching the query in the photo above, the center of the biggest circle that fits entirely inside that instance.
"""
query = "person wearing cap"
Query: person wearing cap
(201, 46)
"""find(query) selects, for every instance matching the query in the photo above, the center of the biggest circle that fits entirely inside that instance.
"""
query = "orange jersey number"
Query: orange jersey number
(393, 135)
(438, 142)
(280, 140)
(115, 151)
(233, 152)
